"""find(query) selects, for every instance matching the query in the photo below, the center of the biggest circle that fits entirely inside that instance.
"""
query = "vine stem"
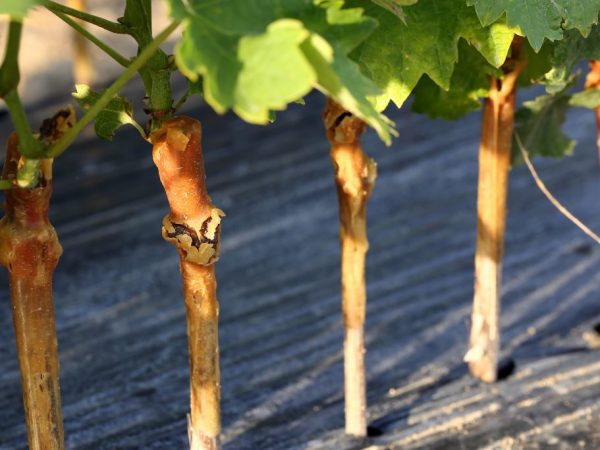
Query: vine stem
(182, 100)
(58, 148)
(156, 74)
(193, 226)
(30, 147)
(100, 22)
(355, 175)
(9, 71)
(9, 81)
(29, 250)
(494, 164)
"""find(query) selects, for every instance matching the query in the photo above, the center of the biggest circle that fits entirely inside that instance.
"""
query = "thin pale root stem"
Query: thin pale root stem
(355, 388)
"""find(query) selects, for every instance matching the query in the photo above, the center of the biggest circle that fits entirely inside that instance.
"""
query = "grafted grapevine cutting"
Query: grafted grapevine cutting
(29, 250)
(194, 227)
(538, 122)
(494, 164)
(255, 58)
(355, 175)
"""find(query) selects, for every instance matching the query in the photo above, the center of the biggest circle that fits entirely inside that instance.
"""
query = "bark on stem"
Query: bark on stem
(193, 226)
(593, 81)
(355, 175)
(30, 250)
(494, 164)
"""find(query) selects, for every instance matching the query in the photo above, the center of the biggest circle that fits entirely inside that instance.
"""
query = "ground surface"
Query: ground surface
(121, 325)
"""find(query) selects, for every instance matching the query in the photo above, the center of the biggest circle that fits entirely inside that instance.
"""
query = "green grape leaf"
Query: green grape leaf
(254, 73)
(341, 78)
(256, 57)
(396, 55)
(588, 98)
(343, 28)
(538, 63)
(117, 113)
(260, 88)
(17, 9)
(395, 6)
(178, 10)
(538, 123)
(567, 54)
(579, 14)
(540, 19)
(207, 53)
(469, 83)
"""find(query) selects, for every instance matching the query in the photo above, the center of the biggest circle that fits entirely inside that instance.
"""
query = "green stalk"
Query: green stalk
(9, 71)
(122, 60)
(138, 20)
(161, 96)
(30, 147)
(157, 73)
(108, 25)
(9, 80)
(58, 148)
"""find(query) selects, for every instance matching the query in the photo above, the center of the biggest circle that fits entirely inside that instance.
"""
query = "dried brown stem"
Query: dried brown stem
(30, 250)
(193, 226)
(355, 175)
(593, 81)
(494, 164)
